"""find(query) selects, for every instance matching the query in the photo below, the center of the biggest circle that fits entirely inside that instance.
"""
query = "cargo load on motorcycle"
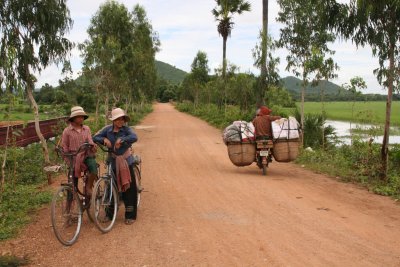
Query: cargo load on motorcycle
(241, 142)
(239, 138)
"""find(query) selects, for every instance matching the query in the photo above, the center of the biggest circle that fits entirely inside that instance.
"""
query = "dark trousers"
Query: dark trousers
(130, 197)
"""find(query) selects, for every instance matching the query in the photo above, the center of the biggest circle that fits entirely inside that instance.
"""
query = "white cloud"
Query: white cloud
(186, 27)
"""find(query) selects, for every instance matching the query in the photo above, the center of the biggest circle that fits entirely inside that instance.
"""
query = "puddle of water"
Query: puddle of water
(342, 129)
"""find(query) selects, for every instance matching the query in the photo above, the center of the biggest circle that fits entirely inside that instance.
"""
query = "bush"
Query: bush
(15, 206)
(25, 165)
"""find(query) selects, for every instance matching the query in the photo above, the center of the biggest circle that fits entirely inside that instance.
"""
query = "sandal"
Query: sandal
(129, 221)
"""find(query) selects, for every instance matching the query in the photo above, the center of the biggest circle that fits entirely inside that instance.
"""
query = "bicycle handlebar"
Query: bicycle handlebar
(104, 148)
(84, 146)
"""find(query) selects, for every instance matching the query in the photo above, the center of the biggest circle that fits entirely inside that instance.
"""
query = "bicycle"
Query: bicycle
(105, 197)
(69, 202)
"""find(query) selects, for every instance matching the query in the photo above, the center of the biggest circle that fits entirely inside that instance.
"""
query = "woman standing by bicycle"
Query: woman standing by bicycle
(74, 135)
(120, 137)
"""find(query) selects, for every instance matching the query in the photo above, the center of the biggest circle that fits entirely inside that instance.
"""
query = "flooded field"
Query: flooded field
(342, 129)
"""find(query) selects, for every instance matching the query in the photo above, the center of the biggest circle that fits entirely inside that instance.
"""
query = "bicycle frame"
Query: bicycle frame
(72, 181)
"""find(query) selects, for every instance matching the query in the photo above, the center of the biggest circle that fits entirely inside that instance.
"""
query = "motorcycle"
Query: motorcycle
(264, 154)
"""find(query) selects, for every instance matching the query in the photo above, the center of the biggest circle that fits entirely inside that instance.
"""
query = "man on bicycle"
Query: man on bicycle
(74, 135)
(119, 137)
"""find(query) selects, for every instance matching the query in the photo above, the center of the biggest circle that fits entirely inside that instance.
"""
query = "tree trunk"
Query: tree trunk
(97, 105)
(224, 39)
(264, 52)
(3, 166)
(323, 111)
(107, 113)
(302, 110)
(29, 89)
(385, 142)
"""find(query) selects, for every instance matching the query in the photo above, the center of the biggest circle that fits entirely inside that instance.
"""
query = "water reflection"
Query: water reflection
(342, 129)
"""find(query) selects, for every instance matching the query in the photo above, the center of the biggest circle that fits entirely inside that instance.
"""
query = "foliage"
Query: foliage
(316, 134)
(32, 38)
(166, 91)
(307, 45)
(374, 23)
(213, 115)
(269, 68)
(223, 13)
(119, 56)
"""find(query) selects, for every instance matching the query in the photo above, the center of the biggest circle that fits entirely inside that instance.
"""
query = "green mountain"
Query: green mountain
(313, 93)
(169, 72)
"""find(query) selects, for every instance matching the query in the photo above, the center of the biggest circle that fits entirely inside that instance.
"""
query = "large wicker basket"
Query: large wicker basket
(286, 150)
(242, 154)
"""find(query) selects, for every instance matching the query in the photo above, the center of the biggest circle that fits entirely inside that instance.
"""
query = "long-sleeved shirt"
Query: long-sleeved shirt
(125, 134)
(72, 139)
(262, 125)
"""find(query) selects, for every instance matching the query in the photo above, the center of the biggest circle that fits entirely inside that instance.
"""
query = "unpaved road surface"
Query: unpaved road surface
(200, 210)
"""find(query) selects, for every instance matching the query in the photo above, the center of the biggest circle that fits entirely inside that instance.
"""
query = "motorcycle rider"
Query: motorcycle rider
(262, 123)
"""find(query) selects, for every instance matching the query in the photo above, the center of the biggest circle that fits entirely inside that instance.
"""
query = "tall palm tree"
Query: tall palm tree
(223, 13)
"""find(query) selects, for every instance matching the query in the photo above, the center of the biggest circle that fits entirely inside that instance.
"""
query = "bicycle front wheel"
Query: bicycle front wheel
(104, 204)
(66, 215)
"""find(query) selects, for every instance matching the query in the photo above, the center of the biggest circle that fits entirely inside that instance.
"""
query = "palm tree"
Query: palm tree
(223, 13)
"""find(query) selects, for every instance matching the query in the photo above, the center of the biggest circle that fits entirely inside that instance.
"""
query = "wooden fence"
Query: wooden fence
(27, 135)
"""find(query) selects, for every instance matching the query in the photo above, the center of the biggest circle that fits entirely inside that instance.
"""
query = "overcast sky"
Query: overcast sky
(187, 26)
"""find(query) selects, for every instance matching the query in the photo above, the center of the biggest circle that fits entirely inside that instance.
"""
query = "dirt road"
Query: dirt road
(200, 210)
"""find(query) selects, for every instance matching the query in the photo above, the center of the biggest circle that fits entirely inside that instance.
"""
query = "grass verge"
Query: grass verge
(17, 204)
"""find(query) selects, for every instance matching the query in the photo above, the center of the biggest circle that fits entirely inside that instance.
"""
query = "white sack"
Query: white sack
(285, 128)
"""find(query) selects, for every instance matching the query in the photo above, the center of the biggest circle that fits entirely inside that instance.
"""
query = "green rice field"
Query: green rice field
(365, 112)
(21, 113)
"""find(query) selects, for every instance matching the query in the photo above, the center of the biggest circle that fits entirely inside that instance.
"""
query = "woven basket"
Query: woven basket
(286, 150)
(242, 154)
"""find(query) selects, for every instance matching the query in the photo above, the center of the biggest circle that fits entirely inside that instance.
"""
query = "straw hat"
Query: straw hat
(77, 111)
(117, 113)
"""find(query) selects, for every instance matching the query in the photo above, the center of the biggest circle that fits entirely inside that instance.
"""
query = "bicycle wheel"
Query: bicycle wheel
(66, 215)
(138, 179)
(104, 204)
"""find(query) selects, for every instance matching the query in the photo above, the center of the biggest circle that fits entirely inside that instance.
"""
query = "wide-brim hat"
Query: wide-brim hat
(77, 111)
(118, 113)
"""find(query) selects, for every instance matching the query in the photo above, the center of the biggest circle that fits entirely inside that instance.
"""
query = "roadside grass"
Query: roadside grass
(357, 163)
(12, 261)
(22, 193)
(17, 205)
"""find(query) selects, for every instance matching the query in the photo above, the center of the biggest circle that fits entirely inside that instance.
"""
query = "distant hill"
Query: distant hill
(293, 85)
(169, 72)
